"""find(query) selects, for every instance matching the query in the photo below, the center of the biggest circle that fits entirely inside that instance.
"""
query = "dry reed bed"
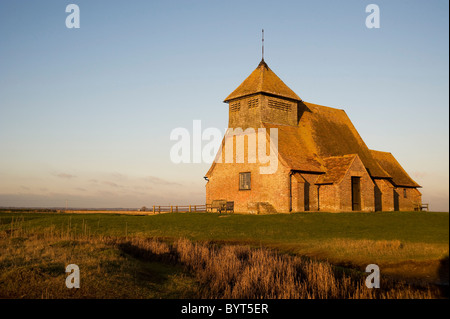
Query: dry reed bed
(235, 271)
(241, 272)
(32, 266)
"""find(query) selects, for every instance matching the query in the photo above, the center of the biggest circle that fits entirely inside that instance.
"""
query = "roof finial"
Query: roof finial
(262, 44)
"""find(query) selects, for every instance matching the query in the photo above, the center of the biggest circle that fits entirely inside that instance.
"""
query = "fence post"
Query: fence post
(190, 210)
(195, 208)
(176, 208)
(153, 209)
(159, 209)
(171, 208)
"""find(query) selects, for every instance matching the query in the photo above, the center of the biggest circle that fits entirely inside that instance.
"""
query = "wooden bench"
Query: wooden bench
(230, 207)
(421, 207)
(221, 205)
(218, 205)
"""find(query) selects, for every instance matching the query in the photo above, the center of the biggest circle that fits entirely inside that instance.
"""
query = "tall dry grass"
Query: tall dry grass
(32, 266)
(235, 271)
(220, 271)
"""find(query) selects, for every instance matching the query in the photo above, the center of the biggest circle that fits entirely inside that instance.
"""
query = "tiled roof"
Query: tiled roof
(322, 132)
(263, 80)
(337, 167)
(393, 167)
(296, 149)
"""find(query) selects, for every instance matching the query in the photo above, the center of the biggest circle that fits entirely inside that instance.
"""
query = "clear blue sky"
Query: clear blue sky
(85, 114)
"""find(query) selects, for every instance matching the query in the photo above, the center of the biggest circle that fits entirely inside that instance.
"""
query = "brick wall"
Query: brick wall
(367, 188)
(268, 193)
(384, 195)
(304, 192)
(329, 200)
(310, 192)
(413, 198)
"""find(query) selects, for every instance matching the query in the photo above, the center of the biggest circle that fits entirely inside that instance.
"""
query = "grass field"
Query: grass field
(33, 266)
(407, 245)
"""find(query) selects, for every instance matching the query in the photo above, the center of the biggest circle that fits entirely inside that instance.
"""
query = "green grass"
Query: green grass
(404, 243)
(34, 267)
(420, 227)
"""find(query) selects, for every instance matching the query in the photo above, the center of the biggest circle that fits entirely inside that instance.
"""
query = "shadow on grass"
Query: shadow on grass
(160, 272)
(443, 273)
(143, 254)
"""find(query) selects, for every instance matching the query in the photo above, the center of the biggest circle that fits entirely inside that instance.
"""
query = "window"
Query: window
(244, 181)
(404, 193)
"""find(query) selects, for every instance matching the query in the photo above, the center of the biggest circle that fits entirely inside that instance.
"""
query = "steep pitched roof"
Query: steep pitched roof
(393, 167)
(322, 132)
(333, 134)
(263, 80)
(295, 149)
(337, 167)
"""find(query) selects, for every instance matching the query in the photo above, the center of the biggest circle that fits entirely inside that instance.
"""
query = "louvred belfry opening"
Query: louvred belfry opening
(262, 97)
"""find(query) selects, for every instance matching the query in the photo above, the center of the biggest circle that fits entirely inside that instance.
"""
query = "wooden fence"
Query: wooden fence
(178, 209)
(220, 206)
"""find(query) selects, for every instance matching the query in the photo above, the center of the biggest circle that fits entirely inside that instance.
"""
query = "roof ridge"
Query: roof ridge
(263, 67)
(338, 156)
(324, 106)
(380, 151)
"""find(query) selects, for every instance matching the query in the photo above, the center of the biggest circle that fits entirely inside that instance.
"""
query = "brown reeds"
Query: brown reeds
(220, 271)
(240, 272)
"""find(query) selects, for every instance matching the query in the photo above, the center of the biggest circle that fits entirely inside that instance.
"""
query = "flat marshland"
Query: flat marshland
(205, 255)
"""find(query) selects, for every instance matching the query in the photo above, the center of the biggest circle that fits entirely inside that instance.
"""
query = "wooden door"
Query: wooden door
(356, 193)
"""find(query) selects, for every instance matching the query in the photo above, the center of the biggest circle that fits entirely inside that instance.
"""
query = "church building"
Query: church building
(323, 163)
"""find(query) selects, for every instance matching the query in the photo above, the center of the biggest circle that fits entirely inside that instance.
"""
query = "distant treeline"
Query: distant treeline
(29, 210)
(59, 209)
